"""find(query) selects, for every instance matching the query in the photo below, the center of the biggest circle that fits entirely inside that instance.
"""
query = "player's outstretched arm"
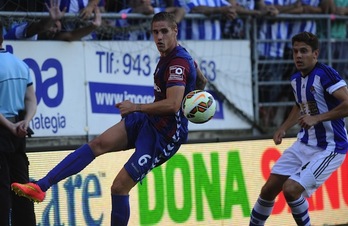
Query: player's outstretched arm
(170, 105)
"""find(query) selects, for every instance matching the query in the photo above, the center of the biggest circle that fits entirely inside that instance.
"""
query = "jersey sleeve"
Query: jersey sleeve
(331, 80)
(177, 72)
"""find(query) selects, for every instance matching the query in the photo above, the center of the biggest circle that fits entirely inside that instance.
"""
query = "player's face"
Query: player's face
(304, 57)
(164, 37)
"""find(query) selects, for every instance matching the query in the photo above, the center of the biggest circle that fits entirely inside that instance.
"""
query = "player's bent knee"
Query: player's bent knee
(96, 146)
(119, 188)
(292, 190)
(267, 193)
(123, 183)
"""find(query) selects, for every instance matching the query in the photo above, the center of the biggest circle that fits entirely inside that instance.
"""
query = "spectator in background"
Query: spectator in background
(51, 28)
(305, 7)
(237, 28)
(137, 29)
(168, 6)
(16, 95)
(56, 32)
(83, 8)
(133, 29)
(338, 35)
(205, 29)
(272, 52)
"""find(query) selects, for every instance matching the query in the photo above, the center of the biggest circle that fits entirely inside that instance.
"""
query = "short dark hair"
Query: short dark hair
(164, 16)
(308, 38)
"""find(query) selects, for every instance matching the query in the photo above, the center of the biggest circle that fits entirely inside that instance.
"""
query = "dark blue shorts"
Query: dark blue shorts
(151, 148)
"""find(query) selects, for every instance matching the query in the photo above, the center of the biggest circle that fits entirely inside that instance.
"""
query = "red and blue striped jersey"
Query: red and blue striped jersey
(175, 69)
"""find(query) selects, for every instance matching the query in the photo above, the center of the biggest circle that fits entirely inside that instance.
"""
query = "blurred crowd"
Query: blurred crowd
(224, 19)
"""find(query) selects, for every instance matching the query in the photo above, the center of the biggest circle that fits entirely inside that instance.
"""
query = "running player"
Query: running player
(156, 130)
(321, 104)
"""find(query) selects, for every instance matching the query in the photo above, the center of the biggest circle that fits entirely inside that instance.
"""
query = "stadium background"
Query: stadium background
(214, 180)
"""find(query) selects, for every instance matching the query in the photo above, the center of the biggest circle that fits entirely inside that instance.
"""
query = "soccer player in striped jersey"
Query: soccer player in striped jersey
(156, 130)
(321, 105)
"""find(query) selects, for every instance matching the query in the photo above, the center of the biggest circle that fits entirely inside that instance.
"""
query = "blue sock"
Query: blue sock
(70, 165)
(120, 210)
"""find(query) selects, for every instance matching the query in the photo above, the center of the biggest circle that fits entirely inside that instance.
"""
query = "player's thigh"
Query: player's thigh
(318, 170)
(151, 150)
(291, 161)
(113, 139)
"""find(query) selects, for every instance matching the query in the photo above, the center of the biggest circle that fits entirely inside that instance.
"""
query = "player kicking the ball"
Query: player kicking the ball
(321, 104)
(156, 130)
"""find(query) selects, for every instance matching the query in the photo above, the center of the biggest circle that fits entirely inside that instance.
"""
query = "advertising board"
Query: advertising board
(203, 184)
(78, 83)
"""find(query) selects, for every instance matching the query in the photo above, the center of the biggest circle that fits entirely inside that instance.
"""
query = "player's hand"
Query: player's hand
(278, 136)
(21, 128)
(54, 10)
(97, 17)
(126, 107)
(86, 12)
(271, 10)
(307, 121)
(230, 12)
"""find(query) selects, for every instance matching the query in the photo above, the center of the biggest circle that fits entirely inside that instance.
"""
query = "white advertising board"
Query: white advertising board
(78, 83)
(58, 76)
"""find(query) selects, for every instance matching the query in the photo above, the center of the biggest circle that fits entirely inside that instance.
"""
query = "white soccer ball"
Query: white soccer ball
(198, 106)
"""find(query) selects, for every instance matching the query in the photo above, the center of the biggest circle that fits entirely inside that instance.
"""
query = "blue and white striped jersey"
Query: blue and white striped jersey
(208, 29)
(273, 30)
(133, 34)
(313, 94)
(309, 25)
(18, 32)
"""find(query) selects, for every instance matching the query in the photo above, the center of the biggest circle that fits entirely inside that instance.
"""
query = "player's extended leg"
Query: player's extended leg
(113, 139)
(265, 202)
(120, 188)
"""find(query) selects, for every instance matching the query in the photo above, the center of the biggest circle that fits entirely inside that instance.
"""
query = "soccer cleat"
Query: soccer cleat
(30, 190)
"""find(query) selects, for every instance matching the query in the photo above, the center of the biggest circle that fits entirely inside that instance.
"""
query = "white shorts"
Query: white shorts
(310, 166)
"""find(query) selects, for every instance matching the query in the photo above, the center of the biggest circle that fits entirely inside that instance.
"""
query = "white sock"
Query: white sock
(299, 209)
(261, 211)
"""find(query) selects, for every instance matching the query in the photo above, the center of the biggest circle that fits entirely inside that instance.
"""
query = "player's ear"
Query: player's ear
(175, 29)
(316, 53)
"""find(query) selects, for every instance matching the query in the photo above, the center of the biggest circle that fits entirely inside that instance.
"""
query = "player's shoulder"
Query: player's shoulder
(326, 70)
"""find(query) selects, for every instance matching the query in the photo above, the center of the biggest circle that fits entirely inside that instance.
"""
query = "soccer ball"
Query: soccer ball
(198, 106)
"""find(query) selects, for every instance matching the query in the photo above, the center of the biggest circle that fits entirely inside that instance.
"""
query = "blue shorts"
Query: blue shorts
(151, 148)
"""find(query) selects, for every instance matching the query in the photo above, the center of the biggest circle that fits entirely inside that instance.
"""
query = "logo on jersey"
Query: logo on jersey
(176, 73)
(157, 88)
